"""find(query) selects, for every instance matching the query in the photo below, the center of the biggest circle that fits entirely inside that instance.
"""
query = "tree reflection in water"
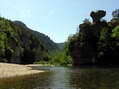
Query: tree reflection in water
(66, 78)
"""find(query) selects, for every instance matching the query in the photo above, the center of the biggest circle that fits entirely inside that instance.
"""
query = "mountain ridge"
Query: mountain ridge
(49, 44)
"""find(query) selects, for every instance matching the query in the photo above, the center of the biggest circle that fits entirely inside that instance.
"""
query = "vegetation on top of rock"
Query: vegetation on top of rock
(97, 42)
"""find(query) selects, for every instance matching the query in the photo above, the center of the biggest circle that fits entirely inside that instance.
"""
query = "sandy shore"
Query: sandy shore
(11, 70)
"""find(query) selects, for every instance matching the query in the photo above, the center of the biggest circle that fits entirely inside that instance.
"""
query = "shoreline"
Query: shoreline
(8, 70)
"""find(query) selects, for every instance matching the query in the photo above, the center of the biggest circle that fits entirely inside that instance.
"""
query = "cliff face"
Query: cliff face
(85, 47)
(95, 43)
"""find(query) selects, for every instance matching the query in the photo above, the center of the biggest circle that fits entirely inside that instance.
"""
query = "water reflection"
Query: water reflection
(25, 82)
(95, 78)
(66, 78)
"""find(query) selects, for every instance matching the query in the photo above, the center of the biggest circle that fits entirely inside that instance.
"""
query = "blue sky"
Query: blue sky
(56, 18)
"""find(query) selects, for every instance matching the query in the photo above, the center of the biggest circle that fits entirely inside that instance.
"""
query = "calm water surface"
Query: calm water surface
(66, 78)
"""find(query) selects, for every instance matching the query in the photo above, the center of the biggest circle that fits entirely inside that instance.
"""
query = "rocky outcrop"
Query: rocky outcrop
(96, 16)
(95, 43)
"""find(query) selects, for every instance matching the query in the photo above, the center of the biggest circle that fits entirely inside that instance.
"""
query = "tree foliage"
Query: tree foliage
(97, 42)
(18, 44)
(115, 13)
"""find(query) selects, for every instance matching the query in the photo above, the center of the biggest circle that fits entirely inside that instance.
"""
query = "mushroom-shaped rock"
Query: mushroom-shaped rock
(96, 16)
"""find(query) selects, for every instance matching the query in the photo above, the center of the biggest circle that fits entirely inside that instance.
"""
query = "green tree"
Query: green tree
(115, 13)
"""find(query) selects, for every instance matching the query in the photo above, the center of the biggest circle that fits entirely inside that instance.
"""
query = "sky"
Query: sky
(56, 18)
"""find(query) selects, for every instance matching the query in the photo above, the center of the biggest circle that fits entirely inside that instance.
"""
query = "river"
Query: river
(66, 78)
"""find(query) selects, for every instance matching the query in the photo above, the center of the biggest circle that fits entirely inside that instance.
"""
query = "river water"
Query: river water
(66, 78)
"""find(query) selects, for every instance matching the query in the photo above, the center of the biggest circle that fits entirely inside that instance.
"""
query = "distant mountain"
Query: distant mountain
(46, 41)
(61, 45)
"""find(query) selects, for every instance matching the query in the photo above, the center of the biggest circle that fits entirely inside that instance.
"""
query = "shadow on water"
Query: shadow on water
(66, 78)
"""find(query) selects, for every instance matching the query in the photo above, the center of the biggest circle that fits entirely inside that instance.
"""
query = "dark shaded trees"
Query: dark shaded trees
(95, 43)
(18, 44)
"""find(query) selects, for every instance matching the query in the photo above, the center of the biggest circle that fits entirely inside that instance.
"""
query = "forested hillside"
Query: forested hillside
(96, 42)
(45, 40)
(18, 44)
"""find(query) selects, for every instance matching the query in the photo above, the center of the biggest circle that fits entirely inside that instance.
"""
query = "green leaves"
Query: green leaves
(18, 43)
(115, 32)
(104, 34)
(96, 42)
(60, 58)
(115, 13)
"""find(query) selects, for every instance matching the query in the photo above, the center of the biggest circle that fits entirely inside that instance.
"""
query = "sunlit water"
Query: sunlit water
(66, 78)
